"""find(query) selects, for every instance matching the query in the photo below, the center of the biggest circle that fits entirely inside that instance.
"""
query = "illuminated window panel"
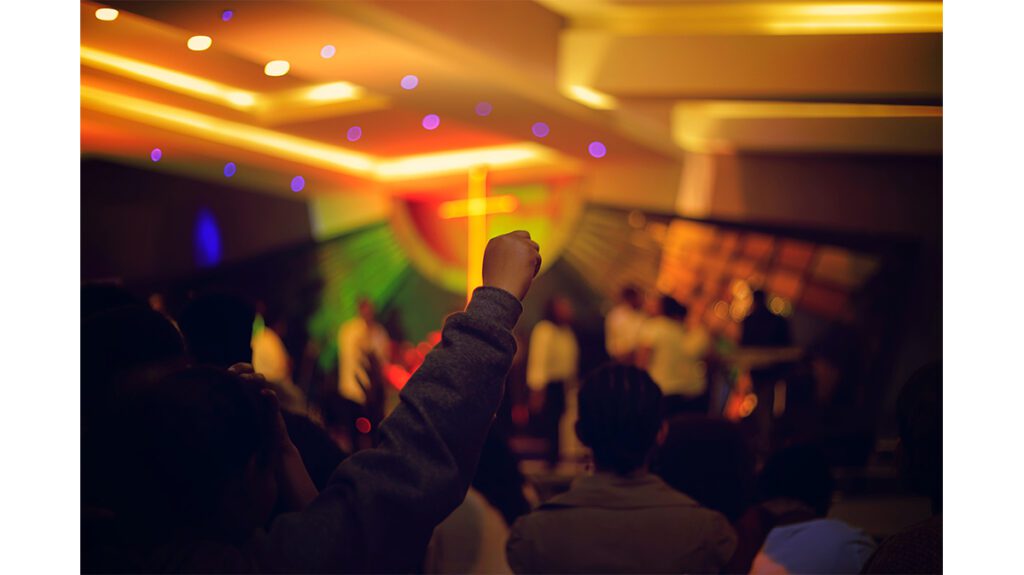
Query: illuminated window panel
(824, 301)
(794, 255)
(758, 246)
(785, 284)
(843, 268)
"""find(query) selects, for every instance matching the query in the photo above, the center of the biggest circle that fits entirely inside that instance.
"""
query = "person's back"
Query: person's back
(607, 523)
(620, 519)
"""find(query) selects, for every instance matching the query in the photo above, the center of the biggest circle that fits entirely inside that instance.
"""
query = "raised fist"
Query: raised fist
(511, 262)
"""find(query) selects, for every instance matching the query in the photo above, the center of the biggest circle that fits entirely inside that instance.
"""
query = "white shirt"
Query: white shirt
(553, 355)
(622, 328)
(356, 340)
(677, 352)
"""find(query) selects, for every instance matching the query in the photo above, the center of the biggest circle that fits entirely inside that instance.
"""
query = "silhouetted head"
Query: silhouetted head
(760, 299)
(120, 346)
(631, 296)
(799, 472)
(197, 456)
(218, 329)
(709, 460)
(97, 297)
(366, 310)
(672, 309)
(559, 310)
(619, 417)
(919, 415)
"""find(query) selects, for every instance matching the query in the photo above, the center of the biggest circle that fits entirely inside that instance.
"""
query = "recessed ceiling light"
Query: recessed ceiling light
(227, 15)
(409, 82)
(484, 109)
(199, 43)
(106, 14)
(298, 182)
(540, 129)
(276, 68)
(156, 154)
(354, 133)
(597, 149)
(327, 51)
(229, 169)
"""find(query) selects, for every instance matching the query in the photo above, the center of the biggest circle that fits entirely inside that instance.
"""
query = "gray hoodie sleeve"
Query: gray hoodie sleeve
(381, 505)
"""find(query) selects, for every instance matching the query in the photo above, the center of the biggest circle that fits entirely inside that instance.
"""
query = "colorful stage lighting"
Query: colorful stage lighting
(199, 43)
(276, 68)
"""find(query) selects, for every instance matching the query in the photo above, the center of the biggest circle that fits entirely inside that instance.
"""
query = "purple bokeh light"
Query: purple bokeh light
(431, 121)
(354, 133)
(597, 149)
(298, 182)
(156, 154)
(540, 129)
(327, 51)
(409, 82)
(227, 15)
(484, 109)
(230, 169)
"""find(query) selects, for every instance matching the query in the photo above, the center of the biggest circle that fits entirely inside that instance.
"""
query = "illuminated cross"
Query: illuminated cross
(475, 208)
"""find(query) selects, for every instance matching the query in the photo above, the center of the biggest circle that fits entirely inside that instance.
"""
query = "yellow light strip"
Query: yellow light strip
(590, 97)
(312, 152)
(779, 18)
(333, 92)
(229, 133)
(459, 161)
(477, 207)
(169, 79)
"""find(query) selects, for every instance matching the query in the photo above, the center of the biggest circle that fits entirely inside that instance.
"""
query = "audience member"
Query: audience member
(796, 487)
(708, 460)
(218, 329)
(764, 329)
(674, 356)
(621, 518)
(359, 338)
(622, 325)
(551, 369)
(206, 455)
(919, 413)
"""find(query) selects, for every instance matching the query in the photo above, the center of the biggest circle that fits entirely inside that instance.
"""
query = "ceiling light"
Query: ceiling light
(275, 68)
(199, 43)
(106, 14)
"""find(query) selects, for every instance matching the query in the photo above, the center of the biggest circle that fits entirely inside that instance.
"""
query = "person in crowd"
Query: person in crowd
(622, 325)
(218, 330)
(788, 532)
(97, 297)
(621, 518)
(764, 329)
(552, 365)
(673, 354)
(358, 339)
(472, 539)
(270, 359)
(709, 460)
(918, 549)
(206, 456)
(123, 346)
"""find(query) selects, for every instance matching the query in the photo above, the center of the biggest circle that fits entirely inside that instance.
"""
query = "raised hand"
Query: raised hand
(511, 261)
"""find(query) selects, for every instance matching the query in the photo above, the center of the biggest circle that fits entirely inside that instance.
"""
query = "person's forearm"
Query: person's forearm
(384, 502)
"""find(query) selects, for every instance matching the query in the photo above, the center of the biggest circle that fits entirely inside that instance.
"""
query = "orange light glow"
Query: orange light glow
(477, 207)
(477, 231)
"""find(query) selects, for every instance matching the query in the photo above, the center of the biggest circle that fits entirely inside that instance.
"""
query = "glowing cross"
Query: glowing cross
(476, 208)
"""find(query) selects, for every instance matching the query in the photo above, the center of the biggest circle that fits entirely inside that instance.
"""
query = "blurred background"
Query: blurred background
(310, 155)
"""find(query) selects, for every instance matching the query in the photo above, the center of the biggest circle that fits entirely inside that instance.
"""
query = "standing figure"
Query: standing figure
(551, 370)
(764, 329)
(673, 354)
(362, 342)
(622, 325)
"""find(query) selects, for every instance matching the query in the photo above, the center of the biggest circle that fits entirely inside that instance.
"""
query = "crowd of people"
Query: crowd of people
(200, 454)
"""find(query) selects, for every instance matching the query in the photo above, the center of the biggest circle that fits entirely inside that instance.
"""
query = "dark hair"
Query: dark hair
(184, 441)
(631, 295)
(919, 416)
(619, 416)
(709, 460)
(760, 297)
(218, 329)
(97, 297)
(798, 472)
(499, 479)
(671, 307)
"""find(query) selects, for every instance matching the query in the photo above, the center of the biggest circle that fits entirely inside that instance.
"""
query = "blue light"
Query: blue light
(298, 182)
(227, 15)
(206, 239)
(229, 169)
(409, 82)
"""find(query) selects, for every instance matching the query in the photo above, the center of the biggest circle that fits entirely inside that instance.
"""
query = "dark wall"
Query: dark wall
(139, 225)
